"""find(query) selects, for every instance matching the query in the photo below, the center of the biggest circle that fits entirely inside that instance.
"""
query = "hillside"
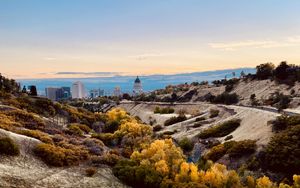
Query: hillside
(250, 128)
(26, 170)
(153, 144)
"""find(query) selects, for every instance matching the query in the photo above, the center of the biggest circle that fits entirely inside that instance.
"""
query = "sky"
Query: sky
(88, 38)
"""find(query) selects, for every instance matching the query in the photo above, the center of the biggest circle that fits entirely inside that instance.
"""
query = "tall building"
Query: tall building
(67, 92)
(137, 86)
(95, 93)
(52, 93)
(78, 90)
(55, 93)
(117, 91)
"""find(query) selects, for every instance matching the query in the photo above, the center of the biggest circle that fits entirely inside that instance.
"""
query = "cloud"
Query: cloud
(230, 46)
(89, 73)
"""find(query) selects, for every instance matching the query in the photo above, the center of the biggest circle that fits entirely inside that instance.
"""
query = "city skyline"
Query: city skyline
(66, 39)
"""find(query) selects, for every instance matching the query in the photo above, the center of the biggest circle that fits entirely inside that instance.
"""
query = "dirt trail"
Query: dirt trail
(254, 124)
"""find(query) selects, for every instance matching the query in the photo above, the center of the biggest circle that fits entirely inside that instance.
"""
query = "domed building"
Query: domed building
(137, 87)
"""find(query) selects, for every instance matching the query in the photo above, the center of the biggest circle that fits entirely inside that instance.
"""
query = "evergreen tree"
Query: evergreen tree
(33, 91)
(24, 90)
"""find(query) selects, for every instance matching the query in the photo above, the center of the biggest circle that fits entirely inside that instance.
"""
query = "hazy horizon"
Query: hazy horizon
(149, 82)
(64, 39)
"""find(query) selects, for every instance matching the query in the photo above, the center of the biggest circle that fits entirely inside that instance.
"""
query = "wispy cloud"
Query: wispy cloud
(235, 45)
(89, 73)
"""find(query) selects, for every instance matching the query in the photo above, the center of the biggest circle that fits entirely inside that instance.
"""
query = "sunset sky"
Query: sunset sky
(83, 38)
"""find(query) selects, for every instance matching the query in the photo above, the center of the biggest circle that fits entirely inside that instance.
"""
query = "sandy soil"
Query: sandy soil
(146, 110)
(254, 124)
(263, 89)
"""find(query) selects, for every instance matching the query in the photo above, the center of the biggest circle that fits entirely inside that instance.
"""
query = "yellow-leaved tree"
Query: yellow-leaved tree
(117, 114)
(163, 155)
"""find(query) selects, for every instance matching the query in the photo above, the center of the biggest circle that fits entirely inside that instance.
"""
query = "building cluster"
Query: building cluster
(78, 91)
(55, 93)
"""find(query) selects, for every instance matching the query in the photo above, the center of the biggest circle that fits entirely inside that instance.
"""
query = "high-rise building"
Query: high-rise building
(95, 93)
(52, 93)
(55, 93)
(137, 86)
(78, 90)
(67, 92)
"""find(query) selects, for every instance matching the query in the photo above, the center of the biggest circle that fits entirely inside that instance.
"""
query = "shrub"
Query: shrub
(170, 132)
(174, 120)
(241, 148)
(214, 113)
(221, 129)
(108, 159)
(253, 100)
(226, 98)
(152, 121)
(283, 122)
(28, 120)
(84, 128)
(106, 138)
(166, 110)
(7, 123)
(292, 92)
(282, 153)
(74, 129)
(90, 171)
(186, 144)
(279, 100)
(228, 137)
(59, 156)
(215, 153)
(232, 148)
(80, 115)
(157, 110)
(38, 135)
(8, 147)
(94, 146)
(229, 87)
(126, 171)
(157, 128)
(200, 119)
(284, 101)
(197, 125)
(111, 126)
(58, 138)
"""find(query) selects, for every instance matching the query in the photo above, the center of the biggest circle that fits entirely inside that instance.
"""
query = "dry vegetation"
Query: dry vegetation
(139, 157)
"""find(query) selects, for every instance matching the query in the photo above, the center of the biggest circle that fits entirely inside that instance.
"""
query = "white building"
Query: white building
(78, 90)
(137, 87)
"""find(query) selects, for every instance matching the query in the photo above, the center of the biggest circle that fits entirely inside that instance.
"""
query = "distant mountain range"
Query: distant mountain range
(150, 82)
